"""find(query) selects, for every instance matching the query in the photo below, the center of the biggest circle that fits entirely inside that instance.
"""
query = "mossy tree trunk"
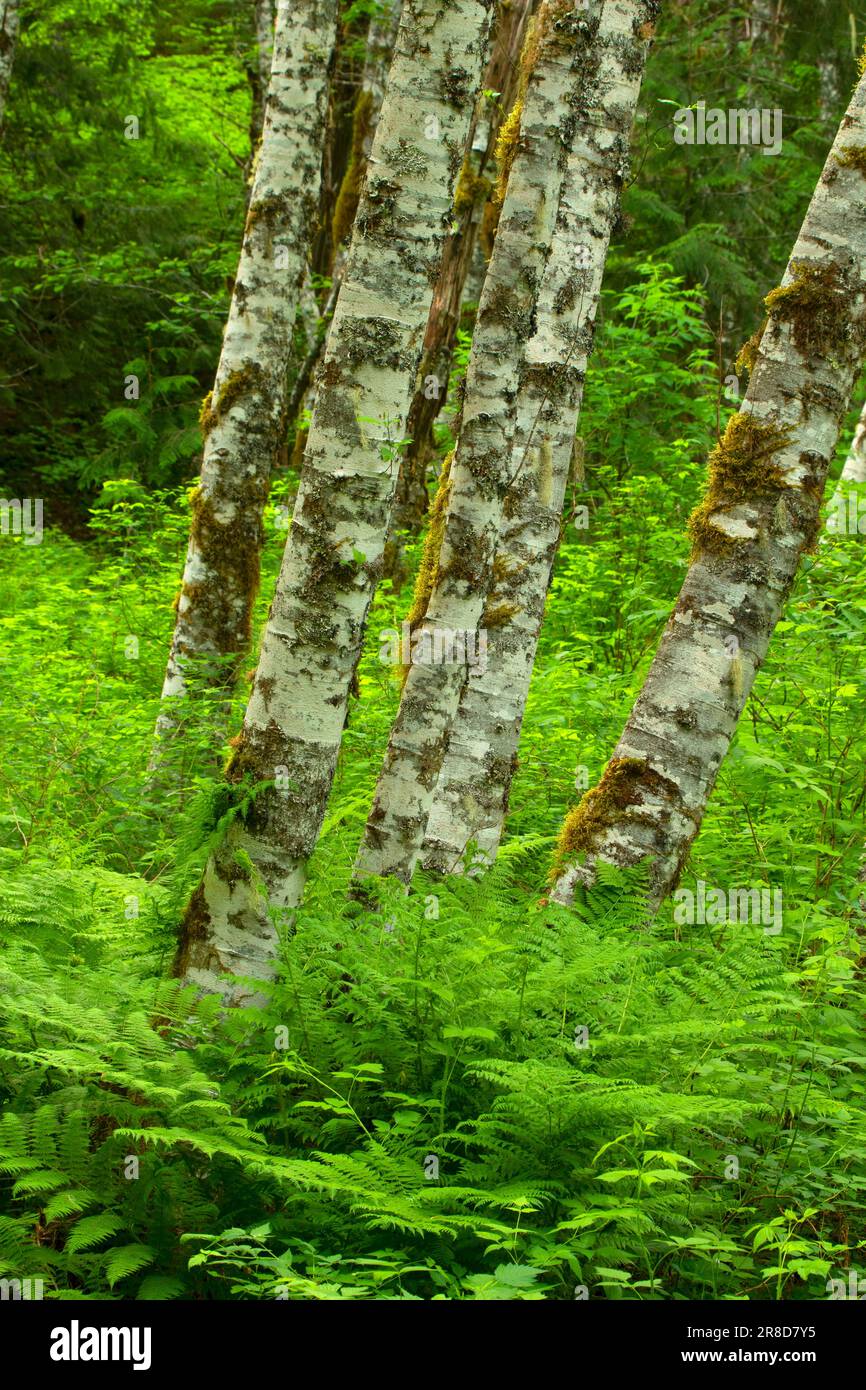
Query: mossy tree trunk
(760, 512)
(339, 210)
(411, 501)
(243, 416)
(311, 645)
(471, 796)
(547, 125)
(9, 17)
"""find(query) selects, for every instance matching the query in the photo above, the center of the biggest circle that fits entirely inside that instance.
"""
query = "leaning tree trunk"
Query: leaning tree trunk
(471, 797)
(558, 61)
(381, 38)
(410, 503)
(243, 416)
(288, 747)
(760, 512)
(8, 39)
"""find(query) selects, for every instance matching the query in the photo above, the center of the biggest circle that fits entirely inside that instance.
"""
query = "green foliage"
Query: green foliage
(463, 1093)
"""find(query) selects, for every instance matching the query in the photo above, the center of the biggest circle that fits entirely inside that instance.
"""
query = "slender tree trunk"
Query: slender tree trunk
(558, 61)
(760, 512)
(471, 796)
(410, 505)
(8, 39)
(380, 48)
(243, 416)
(294, 721)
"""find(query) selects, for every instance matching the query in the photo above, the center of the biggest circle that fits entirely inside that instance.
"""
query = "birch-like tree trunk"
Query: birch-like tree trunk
(559, 59)
(243, 416)
(9, 17)
(410, 505)
(295, 717)
(760, 512)
(471, 796)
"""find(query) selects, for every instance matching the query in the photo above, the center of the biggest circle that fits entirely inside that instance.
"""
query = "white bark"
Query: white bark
(471, 796)
(296, 713)
(9, 18)
(519, 364)
(762, 510)
(243, 416)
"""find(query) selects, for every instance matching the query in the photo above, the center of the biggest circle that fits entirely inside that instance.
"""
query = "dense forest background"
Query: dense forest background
(471, 1093)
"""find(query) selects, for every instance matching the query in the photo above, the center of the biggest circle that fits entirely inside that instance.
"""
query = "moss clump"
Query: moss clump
(814, 304)
(255, 754)
(231, 551)
(505, 152)
(265, 210)
(622, 785)
(471, 189)
(239, 384)
(748, 354)
(739, 471)
(498, 614)
(853, 157)
(194, 929)
(350, 189)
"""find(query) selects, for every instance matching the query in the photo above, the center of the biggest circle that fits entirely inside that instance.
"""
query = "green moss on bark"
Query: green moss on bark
(240, 383)
(740, 470)
(815, 305)
(622, 785)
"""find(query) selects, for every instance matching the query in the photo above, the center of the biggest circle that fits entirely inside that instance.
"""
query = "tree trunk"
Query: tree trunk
(243, 416)
(294, 721)
(9, 18)
(558, 63)
(410, 504)
(471, 796)
(760, 512)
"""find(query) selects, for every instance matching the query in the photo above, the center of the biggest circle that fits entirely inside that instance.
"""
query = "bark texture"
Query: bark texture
(506, 365)
(9, 18)
(243, 416)
(760, 512)
(471, 797)
(294, 721)
(473, 190)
